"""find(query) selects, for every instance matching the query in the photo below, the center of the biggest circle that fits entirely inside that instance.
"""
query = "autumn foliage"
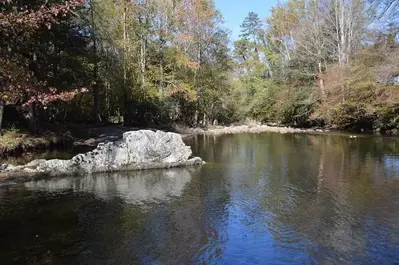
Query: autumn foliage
(27, 18)
(154, 62)
(19, 84)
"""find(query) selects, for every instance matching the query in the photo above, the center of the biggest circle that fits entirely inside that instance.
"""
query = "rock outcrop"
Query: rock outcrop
(142, 149)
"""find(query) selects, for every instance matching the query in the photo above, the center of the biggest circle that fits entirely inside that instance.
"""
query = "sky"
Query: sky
(234, 12)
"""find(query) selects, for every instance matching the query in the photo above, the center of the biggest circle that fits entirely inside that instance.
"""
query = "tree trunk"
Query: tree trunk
(196, 118)
(125, 92)
(142, 59)
(321, 81)
(161, 63)
(2, 104)
(342, 46)
(96, 114)
(107, 99)
(33, 124)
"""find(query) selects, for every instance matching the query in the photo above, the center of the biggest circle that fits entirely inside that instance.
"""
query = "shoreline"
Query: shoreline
(220, 130)
(102, 134)
(185, 132)
(18, 145)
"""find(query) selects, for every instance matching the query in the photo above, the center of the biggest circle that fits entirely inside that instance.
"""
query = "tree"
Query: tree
(96, 114)
(20, 81)
(251, 27)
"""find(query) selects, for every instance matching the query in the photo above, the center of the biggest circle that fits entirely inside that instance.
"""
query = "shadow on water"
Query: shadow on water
(260, 199)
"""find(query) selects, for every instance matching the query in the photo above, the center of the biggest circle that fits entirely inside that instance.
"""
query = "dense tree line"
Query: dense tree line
(321, 62)
(143, 62)
(154, 62)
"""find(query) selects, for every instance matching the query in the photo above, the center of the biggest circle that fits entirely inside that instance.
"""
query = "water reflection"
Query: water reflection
(311, 198)
(260, 199)
(132, 187)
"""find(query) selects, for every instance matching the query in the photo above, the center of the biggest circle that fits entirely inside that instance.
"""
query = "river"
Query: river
(260, 199)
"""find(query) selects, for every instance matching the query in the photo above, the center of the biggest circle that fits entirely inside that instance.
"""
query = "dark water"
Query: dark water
(261, 199)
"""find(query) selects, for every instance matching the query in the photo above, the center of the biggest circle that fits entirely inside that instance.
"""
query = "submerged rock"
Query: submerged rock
(142, 149)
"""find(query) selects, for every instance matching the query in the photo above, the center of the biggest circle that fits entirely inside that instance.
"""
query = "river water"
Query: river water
(261, 199)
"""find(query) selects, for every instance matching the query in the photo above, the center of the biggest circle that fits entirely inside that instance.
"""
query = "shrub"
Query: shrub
(295, 105)
(387, 118)
(351, 117)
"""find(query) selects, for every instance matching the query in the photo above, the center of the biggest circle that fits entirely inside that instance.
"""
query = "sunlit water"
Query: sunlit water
(260, 199)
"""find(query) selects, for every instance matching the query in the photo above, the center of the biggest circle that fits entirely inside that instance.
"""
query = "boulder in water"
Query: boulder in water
(142, 149)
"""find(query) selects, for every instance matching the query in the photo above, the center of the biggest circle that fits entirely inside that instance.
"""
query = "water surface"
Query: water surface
(260, 199)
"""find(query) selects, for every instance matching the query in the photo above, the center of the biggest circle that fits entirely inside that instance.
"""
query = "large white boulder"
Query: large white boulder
(142, 149)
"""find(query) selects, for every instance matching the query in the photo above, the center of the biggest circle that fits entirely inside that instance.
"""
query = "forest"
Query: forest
(152, 63)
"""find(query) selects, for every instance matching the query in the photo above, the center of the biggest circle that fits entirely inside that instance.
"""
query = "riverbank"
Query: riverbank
(14, 143)
(256, 128)
(103, 134)
(86, 137)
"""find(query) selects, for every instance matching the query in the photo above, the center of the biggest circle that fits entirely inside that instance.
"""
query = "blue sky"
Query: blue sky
(234, 12)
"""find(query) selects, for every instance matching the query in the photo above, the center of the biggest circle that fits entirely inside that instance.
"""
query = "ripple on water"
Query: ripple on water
(262, 199)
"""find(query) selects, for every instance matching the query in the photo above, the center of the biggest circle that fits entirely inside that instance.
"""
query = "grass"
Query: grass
(14, 142)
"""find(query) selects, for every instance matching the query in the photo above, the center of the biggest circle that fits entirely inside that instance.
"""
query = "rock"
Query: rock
(142, 149)
(7, 167)
(258, 129)
(35, 163)
(58, 167)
